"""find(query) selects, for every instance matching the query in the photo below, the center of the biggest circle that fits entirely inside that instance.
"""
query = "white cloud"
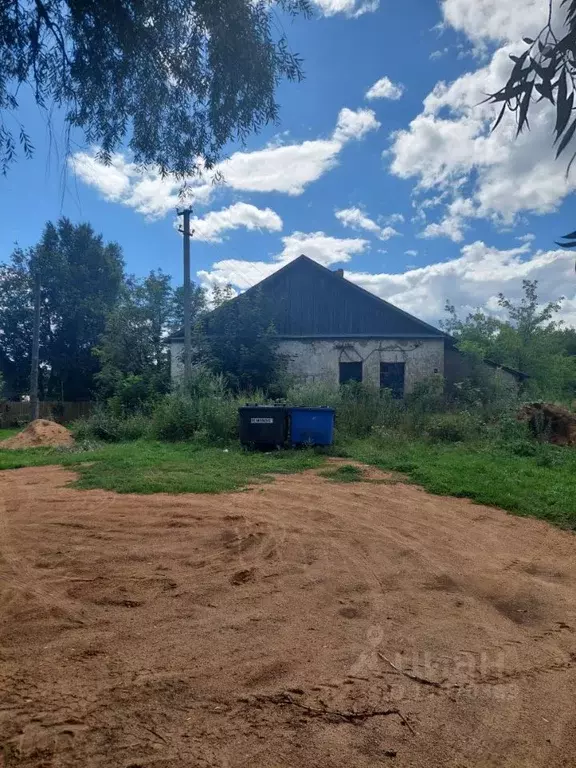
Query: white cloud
(453, 224)
(473, 279)
(351, 8)
(355, 218)
(483, 20)
(288, 168)
(385, 89)
(527, 238)
(394, 218)
(323, 248)
(354, 125)
(411, 253)
(450, 144)
(435, 55)
(144, 190)
(211, 227)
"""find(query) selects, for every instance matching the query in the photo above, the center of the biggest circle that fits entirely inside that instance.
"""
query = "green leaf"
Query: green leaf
(528, 40)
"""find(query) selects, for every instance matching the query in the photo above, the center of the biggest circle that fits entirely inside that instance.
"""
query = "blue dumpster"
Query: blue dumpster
(311, 426)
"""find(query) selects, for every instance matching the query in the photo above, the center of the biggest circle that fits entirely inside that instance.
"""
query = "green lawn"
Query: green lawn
(6, 433)
(524, 478)
(150, 467)
(542, 484)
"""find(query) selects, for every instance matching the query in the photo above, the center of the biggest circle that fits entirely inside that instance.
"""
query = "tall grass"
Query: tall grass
(206, 412)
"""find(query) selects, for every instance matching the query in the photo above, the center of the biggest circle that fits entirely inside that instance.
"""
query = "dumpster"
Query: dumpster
(263, 425)
(312, 426)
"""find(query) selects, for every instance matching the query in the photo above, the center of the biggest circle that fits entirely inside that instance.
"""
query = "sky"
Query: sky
(382, 164)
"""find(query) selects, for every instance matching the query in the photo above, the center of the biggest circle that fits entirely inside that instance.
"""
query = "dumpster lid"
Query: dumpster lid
(323, 408)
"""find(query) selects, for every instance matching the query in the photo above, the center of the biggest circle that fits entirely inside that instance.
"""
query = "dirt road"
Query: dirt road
(302, 623)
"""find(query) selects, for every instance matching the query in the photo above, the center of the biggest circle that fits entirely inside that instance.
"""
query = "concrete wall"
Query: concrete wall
(458, 367)
(315, 361)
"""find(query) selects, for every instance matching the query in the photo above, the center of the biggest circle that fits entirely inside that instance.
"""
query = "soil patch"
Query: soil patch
(40, 433)
(303, 622)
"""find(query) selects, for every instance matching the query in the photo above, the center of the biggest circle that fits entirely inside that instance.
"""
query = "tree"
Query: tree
(80, 281)
(132, 351)
(238, 341)
(527, 338)
(178, 79)
(16, 323)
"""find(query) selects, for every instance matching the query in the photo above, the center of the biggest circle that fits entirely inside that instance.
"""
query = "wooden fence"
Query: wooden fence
(16, 414)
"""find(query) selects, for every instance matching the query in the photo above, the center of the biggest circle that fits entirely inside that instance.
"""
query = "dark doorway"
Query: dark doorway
(350, 372)
(392, 377)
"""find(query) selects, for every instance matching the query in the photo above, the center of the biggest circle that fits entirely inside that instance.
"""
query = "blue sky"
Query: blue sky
(382, 164)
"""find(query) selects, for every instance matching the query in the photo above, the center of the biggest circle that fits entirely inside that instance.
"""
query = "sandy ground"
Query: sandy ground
(300, 623)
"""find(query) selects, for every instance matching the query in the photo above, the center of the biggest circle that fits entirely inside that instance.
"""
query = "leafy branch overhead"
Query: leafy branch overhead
(176, 80)
(546, 70)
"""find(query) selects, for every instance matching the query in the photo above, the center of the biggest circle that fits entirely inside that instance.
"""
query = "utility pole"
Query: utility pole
(34, 404)
(187, 294)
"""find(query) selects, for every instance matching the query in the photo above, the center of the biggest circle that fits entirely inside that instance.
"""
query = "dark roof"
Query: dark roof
(311, 301)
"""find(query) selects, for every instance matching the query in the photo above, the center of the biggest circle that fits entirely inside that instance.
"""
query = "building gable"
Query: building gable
(307, 300)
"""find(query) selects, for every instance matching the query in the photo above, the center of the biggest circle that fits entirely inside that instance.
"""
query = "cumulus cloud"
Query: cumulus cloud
(411, 253)
(144, 190)
(483, 20)
(385, 89)
(475, 279)
(449, 146)
(287, 168)
(350, 8)
(323, 248)
(355, 218)
(472, 280)
(211, 227)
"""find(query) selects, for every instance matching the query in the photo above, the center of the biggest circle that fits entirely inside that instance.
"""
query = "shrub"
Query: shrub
(181, 417)
(175, 418)
(452, 427)
(427, 396)
(104, 425)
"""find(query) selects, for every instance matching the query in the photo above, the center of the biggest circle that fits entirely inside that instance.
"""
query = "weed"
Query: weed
(346, 473)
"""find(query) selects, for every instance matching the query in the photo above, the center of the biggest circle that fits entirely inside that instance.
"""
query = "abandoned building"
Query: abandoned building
(332, 330)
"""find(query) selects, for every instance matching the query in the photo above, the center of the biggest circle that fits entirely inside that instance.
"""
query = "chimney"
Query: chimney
(339, 272)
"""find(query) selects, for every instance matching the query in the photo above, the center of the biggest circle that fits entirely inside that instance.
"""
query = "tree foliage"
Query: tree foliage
(177, 79)
(238, 341)
(134, 359)
(81, 279)
(527, 337)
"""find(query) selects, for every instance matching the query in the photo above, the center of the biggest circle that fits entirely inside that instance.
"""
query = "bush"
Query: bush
(180, 417)
(175, 418)
(452, 427)
(104, 425)
(427, 396)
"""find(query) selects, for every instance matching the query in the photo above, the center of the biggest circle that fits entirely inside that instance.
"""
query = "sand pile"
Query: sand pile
(40, 434)
(550, 422)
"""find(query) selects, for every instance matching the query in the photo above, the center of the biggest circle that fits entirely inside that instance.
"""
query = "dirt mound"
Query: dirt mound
(40, 434)
(550, 422)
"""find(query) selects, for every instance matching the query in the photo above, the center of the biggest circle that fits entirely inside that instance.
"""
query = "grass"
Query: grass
(151, 467)
(346, 473)
(526, 479)
(6, 433)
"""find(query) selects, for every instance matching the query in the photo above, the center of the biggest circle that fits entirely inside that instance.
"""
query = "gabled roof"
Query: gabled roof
(310, 301)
